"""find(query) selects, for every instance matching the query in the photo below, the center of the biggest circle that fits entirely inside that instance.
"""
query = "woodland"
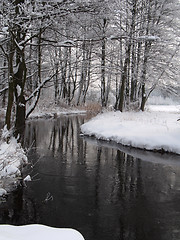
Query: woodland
(86, 50)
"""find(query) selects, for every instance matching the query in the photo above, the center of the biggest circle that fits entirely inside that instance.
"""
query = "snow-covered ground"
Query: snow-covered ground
(36, 231)
(12, 157)
(155, 129)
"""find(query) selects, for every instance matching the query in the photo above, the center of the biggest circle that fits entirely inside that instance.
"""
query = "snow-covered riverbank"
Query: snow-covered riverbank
(155, 129)
(37, 231)
(12, 157)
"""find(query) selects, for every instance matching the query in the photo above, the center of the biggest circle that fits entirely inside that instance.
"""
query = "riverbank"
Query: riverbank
(156, 129)
(12, 158)
(55, 111)
(37, 231)
(71, 174)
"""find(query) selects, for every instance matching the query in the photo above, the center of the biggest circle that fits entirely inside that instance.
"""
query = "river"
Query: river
(104, 190)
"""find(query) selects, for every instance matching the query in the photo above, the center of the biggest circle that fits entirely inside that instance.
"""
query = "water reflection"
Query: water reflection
(102, 189)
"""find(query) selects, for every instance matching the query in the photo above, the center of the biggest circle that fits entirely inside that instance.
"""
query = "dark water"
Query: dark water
(105, 191)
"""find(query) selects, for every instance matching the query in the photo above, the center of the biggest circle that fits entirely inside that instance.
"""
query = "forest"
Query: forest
(85, 153)
(94, 50)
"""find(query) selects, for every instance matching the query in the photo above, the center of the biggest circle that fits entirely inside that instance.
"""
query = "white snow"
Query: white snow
(5, 29)
(10, 170)
(12, 156)
(67, 43)
(18, 88)
(37, 231)
(27, 178)
(2, 192)
(16, 69)
(148, 38)
(165, 108)
(21, 104)
(155, 129)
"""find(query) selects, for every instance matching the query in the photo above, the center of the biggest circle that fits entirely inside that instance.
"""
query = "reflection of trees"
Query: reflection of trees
(97, 177)
(64, 139)
(81, 144)
(114, 195)
(122, 209)
(97, 191)
(20, 208)
(30, 139)
(58, 136)
(137, 217)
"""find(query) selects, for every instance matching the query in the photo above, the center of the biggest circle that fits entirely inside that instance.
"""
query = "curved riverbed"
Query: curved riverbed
(102, 189)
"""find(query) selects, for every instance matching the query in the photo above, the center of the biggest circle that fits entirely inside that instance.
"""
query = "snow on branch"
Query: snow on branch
(148, 38)
(35, 95)
(140, 38)
(39, 87)
(65, 43)
(3, 90)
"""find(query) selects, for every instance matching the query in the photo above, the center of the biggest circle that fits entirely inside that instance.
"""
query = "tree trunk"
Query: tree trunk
(124, 79)
(11, 86)
(103, 65)
(19, 81)
(147, 48)
(10, 103)
(83, 73)
(143, 98)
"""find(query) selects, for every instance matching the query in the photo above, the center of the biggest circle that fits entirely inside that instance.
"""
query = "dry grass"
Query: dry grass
(92, 107)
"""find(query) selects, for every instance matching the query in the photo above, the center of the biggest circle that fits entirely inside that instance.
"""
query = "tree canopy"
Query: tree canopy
(122, 48)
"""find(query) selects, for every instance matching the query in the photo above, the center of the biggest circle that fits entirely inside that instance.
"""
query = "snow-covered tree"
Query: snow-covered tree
(127, 47)
(26, 29)
(140, 27)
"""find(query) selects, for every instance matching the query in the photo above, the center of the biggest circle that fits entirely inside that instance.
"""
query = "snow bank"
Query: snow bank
(164, 108)
(12, 156)
(36, 231)
(147, 130)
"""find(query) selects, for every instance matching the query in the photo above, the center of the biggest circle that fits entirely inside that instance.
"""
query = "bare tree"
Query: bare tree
(25, 26)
